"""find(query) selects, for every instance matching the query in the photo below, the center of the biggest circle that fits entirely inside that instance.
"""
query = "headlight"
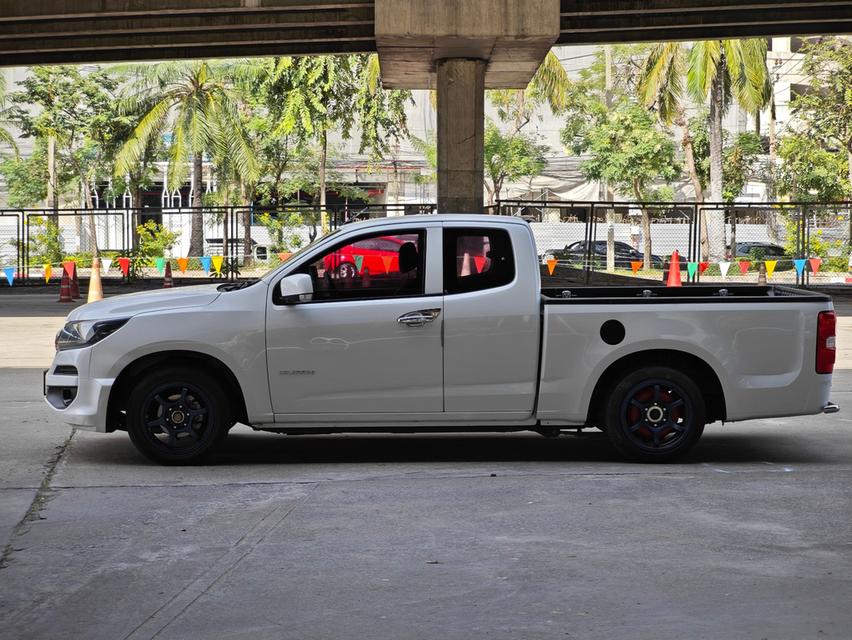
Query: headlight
(84, 333)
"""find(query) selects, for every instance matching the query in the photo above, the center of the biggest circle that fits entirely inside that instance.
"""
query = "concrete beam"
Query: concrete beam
(512, 37)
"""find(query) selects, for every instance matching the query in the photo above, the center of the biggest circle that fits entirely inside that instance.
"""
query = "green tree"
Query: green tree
(713, 72)
(509, 157)
(627, 148)
(196, 101)
(809, 172)
(826, 109)
(6, 136)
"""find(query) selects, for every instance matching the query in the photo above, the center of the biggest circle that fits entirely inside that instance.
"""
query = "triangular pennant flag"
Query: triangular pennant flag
(161, 264)
(815, 264)
(744, 265)
(479, 263)
(723, 267)
(702, 267)
(217, 264)
(386, 261)
(124, 263)
(770, 267)
(800, 265)
(68, 265)
(359, 263)
(551, 265)
(10, 274)
(48, 270)
(284, 255)
(635, 265)
(105, 264)
(691, 268)
(205, 263)
(183, 263)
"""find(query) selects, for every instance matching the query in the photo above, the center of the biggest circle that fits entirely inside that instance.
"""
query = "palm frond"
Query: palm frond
(551, 83)
(662, 79)
(704, 60)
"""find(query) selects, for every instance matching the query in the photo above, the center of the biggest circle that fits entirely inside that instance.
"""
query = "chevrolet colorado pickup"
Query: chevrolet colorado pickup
(438, 322)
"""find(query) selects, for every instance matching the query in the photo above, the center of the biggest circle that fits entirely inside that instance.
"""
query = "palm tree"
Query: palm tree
(714, 71)
(197, 102)
(5, 135)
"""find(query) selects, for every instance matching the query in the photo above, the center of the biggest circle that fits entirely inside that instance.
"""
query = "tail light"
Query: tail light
(825, 351)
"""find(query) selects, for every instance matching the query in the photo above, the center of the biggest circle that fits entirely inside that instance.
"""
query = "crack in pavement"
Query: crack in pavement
(39, 500)
(157, 622)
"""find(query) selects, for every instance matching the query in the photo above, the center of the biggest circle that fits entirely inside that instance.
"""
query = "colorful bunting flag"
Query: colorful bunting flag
(744, 265)
(635, 265)
(723, 267)
(106, 263)
(359, 263)
(702, 267)
(205, 263)
(124, 264)
(10, 274)
(217, 264)
(183, 263)
(551, 265)
(479, 263)
(48, 270)
(68, 265)
(770, 267)
(815, 264)
(386, 261)
(691, 268)
(161, 264)
(800, 265)
(284, 255)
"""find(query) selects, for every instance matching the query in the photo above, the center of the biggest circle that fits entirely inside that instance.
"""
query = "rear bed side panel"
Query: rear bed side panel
(763, 353)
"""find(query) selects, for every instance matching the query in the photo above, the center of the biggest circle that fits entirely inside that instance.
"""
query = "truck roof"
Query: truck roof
(472, 218)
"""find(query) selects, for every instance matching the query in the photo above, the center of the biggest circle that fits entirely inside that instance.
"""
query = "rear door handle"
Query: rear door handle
(418, 318)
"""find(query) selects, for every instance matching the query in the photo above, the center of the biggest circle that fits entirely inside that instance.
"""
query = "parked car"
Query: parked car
(575, 253)
(461, 337)
(377, 255)
(756, 251)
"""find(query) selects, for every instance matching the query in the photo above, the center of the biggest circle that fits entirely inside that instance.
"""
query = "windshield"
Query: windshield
(299, 252)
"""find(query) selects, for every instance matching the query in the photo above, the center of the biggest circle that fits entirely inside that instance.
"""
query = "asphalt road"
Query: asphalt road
(399, 537)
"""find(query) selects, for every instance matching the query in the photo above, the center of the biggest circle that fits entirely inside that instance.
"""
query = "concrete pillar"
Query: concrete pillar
(461, 132)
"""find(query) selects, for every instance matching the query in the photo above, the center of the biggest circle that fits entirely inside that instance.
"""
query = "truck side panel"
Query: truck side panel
(763, 353)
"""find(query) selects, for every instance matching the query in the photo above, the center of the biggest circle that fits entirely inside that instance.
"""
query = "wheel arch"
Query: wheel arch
(134, 370)
(701, 372)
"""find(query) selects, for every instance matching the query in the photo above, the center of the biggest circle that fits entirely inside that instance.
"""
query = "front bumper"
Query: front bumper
(76, 398)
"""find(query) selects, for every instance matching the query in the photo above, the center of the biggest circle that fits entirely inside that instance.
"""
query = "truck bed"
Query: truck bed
(694, 293)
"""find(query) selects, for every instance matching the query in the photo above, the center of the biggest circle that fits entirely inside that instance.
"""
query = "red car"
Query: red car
(377, 255)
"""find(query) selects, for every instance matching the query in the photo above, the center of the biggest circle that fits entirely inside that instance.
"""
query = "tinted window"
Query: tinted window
(377, 266)
(476, 259)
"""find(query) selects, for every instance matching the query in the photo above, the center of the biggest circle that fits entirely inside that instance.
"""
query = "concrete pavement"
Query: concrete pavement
(446, 536)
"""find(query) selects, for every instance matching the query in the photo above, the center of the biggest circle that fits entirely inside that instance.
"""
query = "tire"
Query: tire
(347, 271)
(655, 414)
(178, 416)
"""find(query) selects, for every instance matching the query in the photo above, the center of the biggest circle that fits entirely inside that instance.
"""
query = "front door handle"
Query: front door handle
(418, 318)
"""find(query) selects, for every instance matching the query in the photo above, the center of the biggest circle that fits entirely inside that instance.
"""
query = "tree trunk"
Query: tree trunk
(247, 255)
(610, 214)
(773, 148)
(52, 195)
(716, 219)
(646, 228)
(689, 154)
(323, 157)
(196, 235)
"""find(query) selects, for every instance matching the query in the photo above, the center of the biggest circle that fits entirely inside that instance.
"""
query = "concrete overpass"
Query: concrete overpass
(459, 47)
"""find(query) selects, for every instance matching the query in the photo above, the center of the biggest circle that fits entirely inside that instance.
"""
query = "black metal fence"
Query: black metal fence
(715, 241)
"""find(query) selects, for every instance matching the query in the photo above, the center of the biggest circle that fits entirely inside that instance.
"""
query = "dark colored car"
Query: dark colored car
(575, 253)
(756, 251)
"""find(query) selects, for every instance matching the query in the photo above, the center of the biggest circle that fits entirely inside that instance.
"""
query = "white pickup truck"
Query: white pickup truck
(438, 322)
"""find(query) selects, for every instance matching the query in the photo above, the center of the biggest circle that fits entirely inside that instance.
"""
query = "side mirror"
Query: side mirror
(295, 289)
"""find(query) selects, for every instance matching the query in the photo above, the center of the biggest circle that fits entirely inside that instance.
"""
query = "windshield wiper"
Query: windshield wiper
(233, 286)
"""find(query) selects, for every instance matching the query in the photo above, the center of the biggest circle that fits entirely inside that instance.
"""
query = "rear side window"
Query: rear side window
(476, 259)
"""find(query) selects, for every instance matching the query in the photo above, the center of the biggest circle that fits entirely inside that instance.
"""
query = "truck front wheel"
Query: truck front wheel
(655, 414)
(178, 416)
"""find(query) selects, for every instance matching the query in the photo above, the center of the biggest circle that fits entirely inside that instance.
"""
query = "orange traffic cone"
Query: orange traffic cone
(65, 288)
(75, 284)
(674, 271)
(167, 276)
(96, 289)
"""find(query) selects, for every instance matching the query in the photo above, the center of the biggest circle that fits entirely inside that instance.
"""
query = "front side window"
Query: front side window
(381, 265)
(476, 259)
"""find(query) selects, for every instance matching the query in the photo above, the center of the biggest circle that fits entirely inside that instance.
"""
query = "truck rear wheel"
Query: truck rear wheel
(655, 414)
(178, 416)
